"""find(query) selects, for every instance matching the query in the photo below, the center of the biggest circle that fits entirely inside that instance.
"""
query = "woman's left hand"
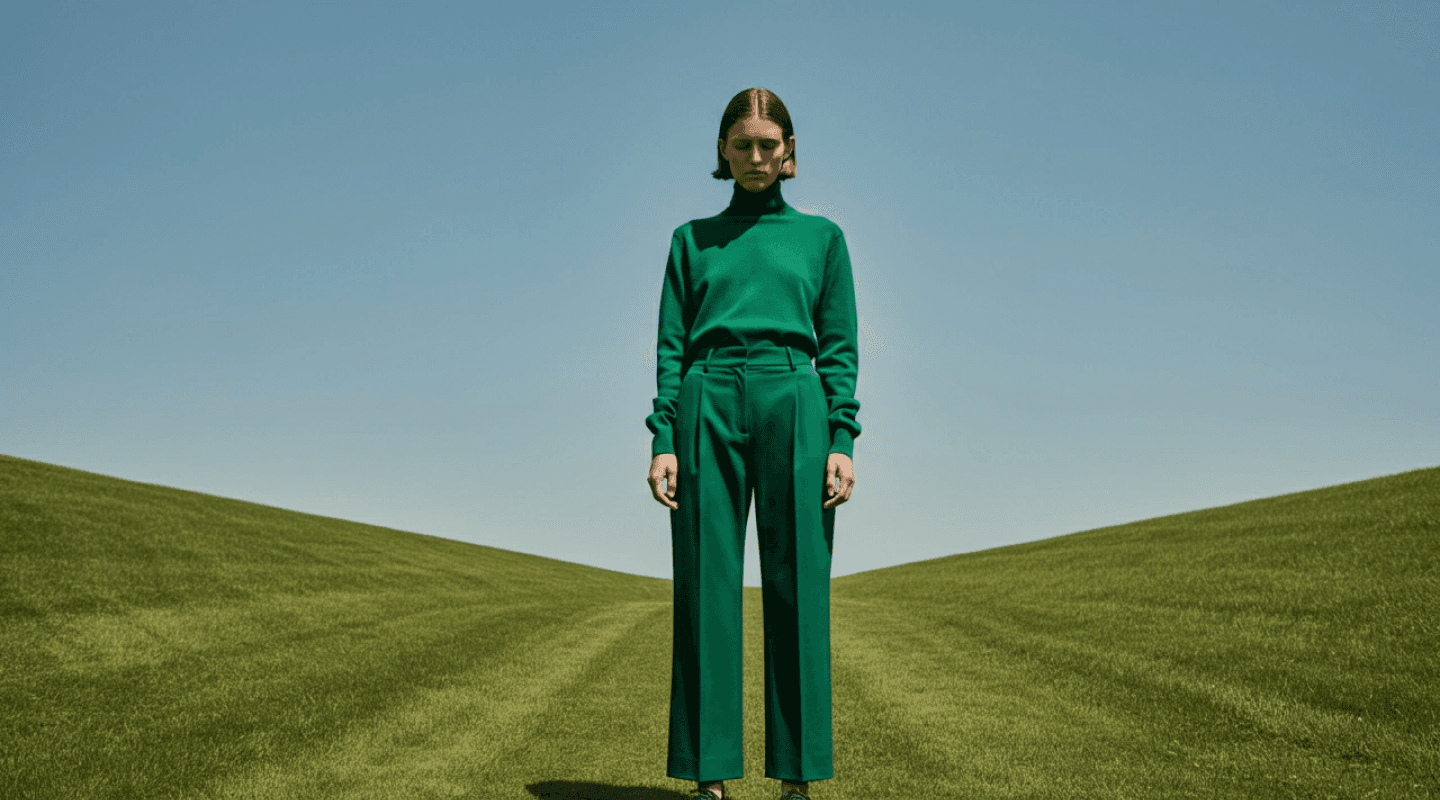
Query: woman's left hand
(839, 479)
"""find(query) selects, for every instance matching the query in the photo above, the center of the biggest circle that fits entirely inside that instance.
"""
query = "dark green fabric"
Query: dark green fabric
(759, 271)
(750, 422)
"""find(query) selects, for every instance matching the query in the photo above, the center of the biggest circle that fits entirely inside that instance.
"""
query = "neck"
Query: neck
(745, 203)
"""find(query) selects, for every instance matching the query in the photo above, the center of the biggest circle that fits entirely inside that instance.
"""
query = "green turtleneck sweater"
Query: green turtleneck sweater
(759, 271)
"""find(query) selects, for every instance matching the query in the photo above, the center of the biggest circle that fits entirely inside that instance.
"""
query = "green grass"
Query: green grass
(1284, 647)
(159, 643)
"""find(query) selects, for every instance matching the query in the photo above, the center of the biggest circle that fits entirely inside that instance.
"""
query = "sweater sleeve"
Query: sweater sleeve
(669, 350)
(838, 359)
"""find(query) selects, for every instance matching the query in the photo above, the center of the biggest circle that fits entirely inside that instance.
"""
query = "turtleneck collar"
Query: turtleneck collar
(745, 203)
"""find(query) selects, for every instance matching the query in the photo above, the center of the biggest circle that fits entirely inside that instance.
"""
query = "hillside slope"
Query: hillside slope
(156, 640)
(1288, 646)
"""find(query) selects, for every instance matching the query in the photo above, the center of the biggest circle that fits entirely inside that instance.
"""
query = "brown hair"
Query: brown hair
(762, 103)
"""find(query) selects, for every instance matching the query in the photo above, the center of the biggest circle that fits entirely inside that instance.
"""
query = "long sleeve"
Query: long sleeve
(669, 350)
(838, 357)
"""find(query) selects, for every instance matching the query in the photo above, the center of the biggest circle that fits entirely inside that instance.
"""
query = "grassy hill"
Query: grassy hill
(162, 643)
(1283, 647)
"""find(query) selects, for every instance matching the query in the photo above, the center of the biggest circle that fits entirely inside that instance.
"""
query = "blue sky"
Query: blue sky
(401, 263)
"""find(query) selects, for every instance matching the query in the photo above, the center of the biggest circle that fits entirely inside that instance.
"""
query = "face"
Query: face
(755, 150)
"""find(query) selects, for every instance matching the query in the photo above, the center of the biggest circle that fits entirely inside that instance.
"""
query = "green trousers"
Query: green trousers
(751, 418)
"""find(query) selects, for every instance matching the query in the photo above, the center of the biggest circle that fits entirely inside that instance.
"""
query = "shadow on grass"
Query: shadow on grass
(582, 790)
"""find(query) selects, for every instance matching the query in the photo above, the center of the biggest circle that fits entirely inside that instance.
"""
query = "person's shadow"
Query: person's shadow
(583, 790)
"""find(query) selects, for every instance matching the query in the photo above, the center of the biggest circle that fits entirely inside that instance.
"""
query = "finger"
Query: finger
(657, 488)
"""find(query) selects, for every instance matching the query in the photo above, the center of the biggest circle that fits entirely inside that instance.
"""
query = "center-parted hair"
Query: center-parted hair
(762, 103)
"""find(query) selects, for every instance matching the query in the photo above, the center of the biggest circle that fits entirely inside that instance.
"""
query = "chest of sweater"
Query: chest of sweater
(768, 268)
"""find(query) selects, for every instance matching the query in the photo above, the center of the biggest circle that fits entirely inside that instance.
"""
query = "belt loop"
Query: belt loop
(708, 354)
(790, 356)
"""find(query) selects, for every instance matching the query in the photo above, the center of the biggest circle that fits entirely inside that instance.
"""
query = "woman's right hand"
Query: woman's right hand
(664, 468)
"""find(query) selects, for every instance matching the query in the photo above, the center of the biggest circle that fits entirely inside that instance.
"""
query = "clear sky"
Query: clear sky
(400, 263)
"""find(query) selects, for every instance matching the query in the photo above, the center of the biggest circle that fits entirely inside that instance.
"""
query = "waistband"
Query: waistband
(758, 354)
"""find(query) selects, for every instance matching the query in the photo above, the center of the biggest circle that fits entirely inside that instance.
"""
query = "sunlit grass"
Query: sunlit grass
(162, 643)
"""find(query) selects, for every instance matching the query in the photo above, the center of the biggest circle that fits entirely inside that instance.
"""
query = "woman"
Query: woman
(739, 410)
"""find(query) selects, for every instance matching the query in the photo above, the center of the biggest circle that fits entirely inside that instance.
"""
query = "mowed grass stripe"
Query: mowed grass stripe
(603, 733)
(173, 724)
(1233, 715)
(1041, 716)
(466, 736)
(926, 714)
